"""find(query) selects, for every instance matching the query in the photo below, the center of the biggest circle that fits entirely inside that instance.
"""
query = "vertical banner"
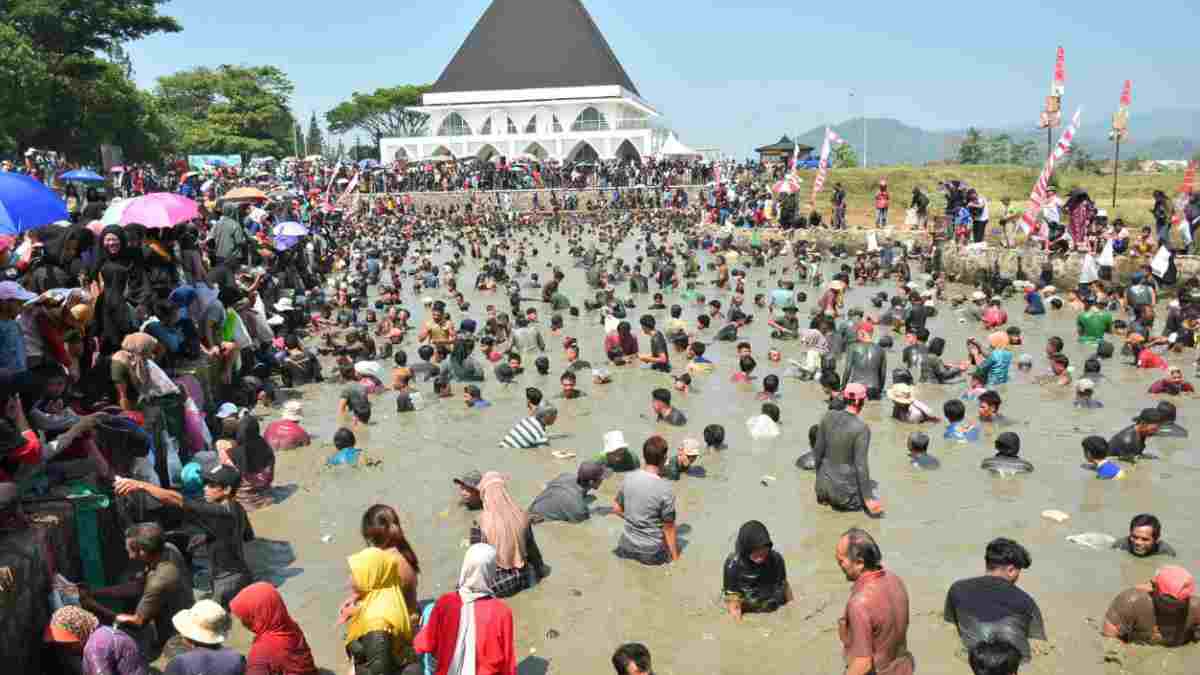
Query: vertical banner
(1038, 196)
(831, 139)
(1051, 117)
(1120, 120)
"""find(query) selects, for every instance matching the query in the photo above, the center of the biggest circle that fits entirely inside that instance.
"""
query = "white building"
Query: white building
(534, 77)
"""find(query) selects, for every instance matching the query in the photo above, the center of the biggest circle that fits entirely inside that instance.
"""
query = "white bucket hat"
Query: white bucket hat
(285, 305)
(613, 441)
(293, 410)
(761, 426)
(206, 622)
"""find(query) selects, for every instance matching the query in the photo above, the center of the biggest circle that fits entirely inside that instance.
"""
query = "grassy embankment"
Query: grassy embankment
(1134, 194)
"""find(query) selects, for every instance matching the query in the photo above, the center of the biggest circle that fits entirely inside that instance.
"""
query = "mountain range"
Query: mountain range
(1172, 133)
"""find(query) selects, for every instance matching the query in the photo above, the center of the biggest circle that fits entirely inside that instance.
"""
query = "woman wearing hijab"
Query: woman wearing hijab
(279, 647)
(998, 361)
(505, 526)
(83, 645)
(470, 631)
(379, 628)
(138, 378)
(256, 461)
(755, 578)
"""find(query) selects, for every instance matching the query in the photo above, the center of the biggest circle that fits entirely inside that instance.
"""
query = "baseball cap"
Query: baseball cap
(591, 472)
(1149, 416)
(224, 475)
(469, 479)
(855, 392)
(1175, 582)
(227, 409)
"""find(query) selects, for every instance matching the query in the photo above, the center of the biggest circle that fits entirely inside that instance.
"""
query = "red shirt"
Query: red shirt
(876, 623)
(494, 650)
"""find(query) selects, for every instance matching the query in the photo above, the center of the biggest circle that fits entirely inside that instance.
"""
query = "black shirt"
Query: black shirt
(987, 606)
(1127, 443)
(227, 529)
(761, 587)
(658, 347)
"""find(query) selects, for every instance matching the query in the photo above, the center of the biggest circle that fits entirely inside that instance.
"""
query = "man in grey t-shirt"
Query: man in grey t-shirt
(565, 497)
(648, 506)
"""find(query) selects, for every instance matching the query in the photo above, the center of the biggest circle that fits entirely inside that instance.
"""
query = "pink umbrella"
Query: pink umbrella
(160, 210)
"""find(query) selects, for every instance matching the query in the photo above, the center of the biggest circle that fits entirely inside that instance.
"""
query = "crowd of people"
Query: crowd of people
(142, 361)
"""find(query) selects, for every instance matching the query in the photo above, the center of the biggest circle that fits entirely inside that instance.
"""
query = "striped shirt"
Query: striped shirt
(526, 433)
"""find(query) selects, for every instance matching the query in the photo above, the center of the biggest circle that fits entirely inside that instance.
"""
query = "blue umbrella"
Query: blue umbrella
(83, 176)
(285, 241)
(26, 204)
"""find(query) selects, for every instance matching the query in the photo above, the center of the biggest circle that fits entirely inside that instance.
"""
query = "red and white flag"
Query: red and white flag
(831, 139)
(1037, 198)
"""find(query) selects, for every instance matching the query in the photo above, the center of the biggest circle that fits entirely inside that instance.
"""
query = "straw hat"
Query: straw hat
(901, 393)
(613, 441)
(206, 623)
(82, 314)
(837, 285)
(293, 410)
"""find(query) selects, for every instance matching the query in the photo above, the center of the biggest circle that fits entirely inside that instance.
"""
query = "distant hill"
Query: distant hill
(1156, 134)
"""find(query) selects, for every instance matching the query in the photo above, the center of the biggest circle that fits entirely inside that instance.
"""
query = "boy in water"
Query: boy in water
(918, 452)
(1095, 455)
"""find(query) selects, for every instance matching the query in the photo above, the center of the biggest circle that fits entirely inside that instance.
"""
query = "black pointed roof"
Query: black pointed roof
(533, 44)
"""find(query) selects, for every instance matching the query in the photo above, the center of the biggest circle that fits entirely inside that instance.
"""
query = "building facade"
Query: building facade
(535, 79)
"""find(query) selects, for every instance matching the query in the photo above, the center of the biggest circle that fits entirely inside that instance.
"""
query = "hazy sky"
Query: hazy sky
(738, 74)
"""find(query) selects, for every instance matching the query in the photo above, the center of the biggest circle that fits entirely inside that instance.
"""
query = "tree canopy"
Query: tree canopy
(65, 89)
(382, 113)
(229, 109)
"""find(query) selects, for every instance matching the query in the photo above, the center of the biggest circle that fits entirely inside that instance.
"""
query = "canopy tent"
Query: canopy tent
(674, 148)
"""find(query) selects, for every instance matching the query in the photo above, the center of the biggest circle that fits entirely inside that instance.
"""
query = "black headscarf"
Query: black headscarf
(113, 319)
(753, 535)
(102, 255)
(259, 454)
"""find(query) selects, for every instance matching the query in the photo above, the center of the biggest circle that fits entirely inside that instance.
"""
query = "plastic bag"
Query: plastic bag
(1161, 261)
(910, 218)
(174, 463)
(1089, 271)
(1106, 256)
(196, 433)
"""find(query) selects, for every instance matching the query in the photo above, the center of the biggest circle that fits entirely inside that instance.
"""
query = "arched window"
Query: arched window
(512, 128)
(486, 129)
(590, 120)
(556, 126)
(531, 128)
(454, 125)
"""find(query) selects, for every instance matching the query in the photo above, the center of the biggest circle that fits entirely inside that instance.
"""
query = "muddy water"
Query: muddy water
(935, 530)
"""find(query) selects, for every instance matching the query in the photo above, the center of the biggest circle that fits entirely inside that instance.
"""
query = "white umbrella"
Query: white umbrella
(112, 215)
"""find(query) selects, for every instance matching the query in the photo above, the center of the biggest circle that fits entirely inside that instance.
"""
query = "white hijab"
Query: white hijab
(475, 582)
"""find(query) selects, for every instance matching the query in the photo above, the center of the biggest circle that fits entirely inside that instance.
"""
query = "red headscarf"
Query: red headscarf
(279, 644)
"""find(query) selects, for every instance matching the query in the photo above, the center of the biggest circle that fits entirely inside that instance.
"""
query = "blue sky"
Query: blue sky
(738, 74)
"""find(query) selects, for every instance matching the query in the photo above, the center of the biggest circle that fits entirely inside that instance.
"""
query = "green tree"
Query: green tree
(1024, 152)
(1081, 159)
(298, 140)
(57, 79)
(229, 109)
(21, 70)
(997, 149)
(382, 113)
(315, 140)
(843, 156)
(972, 149)
(363, 151)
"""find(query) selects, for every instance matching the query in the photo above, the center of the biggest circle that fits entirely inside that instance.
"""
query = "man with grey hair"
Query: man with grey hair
(874, 627)
(163, 588)
(530, 432)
